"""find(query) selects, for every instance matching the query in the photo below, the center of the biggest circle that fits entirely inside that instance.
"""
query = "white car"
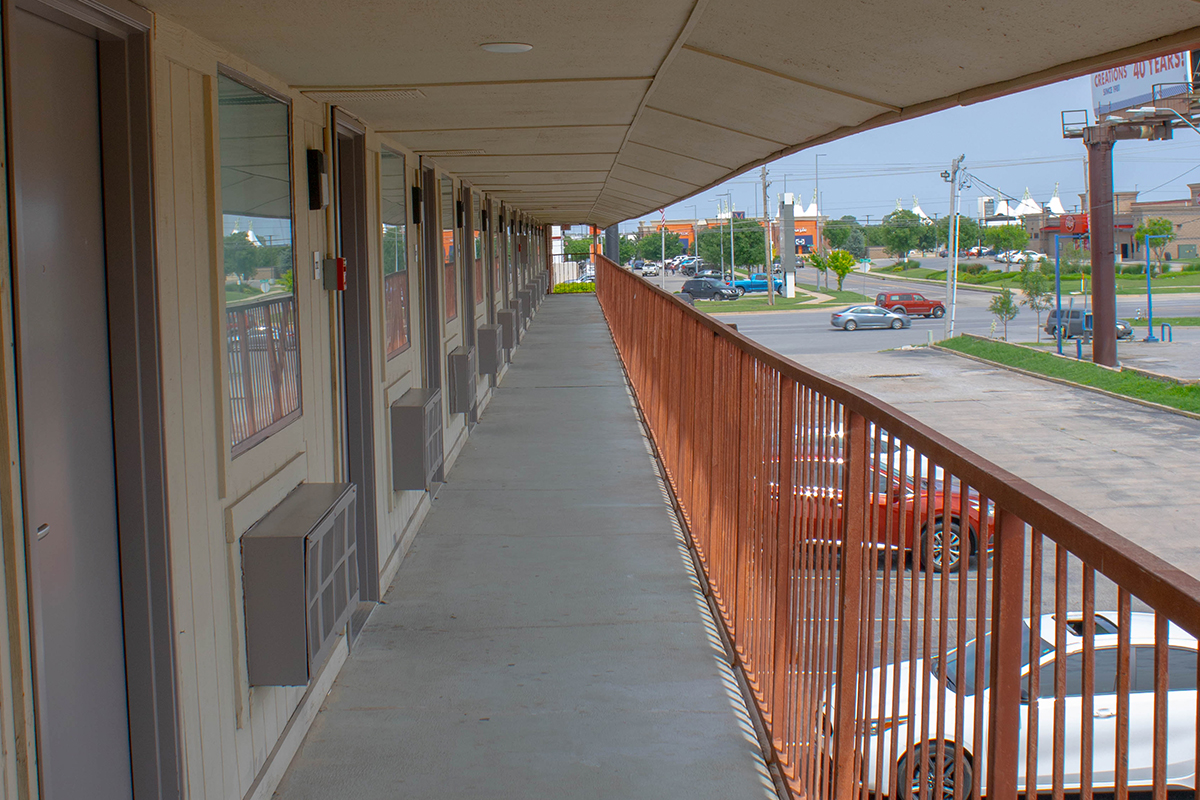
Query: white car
(1181, 719)
(649, 270)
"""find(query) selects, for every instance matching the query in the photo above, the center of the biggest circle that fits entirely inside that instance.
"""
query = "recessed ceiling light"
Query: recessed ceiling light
(506, 47)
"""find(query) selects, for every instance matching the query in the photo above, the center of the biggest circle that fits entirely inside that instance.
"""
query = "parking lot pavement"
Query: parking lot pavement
(1128, 466)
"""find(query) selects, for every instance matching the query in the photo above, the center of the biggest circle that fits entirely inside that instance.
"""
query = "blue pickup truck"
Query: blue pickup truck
(756, 283)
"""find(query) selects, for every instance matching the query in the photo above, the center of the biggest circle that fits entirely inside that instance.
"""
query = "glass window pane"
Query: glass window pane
(260, 305)
(477, 235)
(1181, 668)
(450, 276)
(1105, 672)
(395, 252)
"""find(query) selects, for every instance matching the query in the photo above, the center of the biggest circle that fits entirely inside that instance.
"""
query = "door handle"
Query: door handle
(42, 530)
(1104, 713)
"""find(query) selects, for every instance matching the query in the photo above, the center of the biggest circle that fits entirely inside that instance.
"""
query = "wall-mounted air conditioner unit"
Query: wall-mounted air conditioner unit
(299, 583)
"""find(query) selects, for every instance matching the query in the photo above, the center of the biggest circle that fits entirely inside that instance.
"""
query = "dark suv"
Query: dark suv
(910, 303)
(708, 289)
(1076, 321)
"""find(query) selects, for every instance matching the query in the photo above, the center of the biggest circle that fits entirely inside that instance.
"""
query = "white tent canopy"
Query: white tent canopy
(917, 210)
(1056, 206)
(1027, 205)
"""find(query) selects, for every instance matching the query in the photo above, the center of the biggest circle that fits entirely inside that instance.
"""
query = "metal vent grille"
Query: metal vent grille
(350, 95)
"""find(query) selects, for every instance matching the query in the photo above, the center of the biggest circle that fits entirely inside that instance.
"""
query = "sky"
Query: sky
(1011, 143)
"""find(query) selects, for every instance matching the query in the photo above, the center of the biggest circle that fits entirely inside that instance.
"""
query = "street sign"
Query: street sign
(1134, 84)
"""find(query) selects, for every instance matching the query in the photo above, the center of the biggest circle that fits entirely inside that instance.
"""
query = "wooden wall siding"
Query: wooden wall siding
(229, 730)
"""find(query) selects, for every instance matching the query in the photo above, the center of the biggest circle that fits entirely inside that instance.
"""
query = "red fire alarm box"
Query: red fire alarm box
(335, 274)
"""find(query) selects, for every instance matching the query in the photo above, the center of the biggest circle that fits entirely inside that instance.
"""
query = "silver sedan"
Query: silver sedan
(868, 317)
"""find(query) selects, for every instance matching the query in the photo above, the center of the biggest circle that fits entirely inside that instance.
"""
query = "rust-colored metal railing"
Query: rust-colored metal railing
(264, 366)
(912, 620)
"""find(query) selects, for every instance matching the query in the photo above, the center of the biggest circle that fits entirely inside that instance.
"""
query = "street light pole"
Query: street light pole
(729, 195)
(1150, 337)
(767, 267)
(952, 244)
(695, 248)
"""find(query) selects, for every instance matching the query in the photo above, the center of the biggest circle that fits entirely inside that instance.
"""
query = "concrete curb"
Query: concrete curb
(1064, 382)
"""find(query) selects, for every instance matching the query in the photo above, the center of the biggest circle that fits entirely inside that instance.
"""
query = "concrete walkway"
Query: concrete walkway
(544, 637)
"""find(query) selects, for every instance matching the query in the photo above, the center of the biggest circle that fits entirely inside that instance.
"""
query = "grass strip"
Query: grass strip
(1185, 397)
(1175, 322)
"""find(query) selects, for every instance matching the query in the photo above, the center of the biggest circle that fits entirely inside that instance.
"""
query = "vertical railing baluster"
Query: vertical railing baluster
(854, 495)
(1004, 716)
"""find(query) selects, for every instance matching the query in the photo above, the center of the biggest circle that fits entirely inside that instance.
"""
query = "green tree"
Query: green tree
(837, 232)
(1036, 288)
(856, 244)
(628, 249)
(1006, 238)
(1072, 256)
(841, 263)
(876, 236)
(748, 243)
(577, 249)
(901, 233)
(821, 264)
(1156, 227)
(968, 231)
(650, 246)
(1004, 308)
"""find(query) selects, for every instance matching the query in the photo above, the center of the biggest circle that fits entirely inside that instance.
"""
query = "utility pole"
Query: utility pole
(767, 243)
(952, 244)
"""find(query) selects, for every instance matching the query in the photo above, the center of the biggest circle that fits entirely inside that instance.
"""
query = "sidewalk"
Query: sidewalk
(544, 637)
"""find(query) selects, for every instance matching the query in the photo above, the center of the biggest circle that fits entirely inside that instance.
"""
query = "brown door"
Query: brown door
(66, 420)
(356, 362)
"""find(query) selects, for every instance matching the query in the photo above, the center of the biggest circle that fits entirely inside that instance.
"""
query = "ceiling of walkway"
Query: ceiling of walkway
(624, 106)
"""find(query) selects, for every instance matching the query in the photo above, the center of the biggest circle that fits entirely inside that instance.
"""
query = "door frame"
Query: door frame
(431, 230)
(357, 335)
(122, 31)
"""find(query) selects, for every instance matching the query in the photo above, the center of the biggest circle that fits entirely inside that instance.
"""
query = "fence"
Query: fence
(912, 620)
(264, 367)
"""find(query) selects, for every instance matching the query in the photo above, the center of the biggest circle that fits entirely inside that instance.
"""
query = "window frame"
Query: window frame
(239, 449)
(385, 151)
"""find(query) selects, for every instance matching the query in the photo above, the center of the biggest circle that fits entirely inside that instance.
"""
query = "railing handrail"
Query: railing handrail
(265, 300)
(1153, 580)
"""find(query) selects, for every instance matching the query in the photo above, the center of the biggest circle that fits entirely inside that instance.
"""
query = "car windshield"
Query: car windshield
(970, 656)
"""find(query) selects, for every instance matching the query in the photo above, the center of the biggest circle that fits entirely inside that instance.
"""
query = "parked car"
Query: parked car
(757, 283)
(708, 289)
(716, 274)
(1076, 322)
(637, 265)
(888, 682)
(911, 303)
(907, 490)
(854, 317)
(649, 270)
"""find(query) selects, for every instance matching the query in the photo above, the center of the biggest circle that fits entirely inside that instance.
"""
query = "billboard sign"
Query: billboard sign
(1135, 84)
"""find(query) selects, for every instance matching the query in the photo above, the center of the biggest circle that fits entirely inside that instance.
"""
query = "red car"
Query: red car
(910, 303)
(902, 495)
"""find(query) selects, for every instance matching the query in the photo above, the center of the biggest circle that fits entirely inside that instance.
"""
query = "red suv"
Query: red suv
(912, 304)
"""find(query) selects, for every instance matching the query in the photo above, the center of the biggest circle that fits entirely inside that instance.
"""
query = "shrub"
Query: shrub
(972, 269)
(574, 288)
(1192, 267)
(1136, 269)
(909, 264)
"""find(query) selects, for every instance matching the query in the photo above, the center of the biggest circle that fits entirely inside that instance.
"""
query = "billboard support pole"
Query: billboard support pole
(1099, 141)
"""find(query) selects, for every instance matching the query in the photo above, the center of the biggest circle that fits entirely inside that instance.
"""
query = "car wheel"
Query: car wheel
(946, 549)
(925, 782)
(740, 291)
(938, 312)
(850, 325)
(897, 324)
(899, 310)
